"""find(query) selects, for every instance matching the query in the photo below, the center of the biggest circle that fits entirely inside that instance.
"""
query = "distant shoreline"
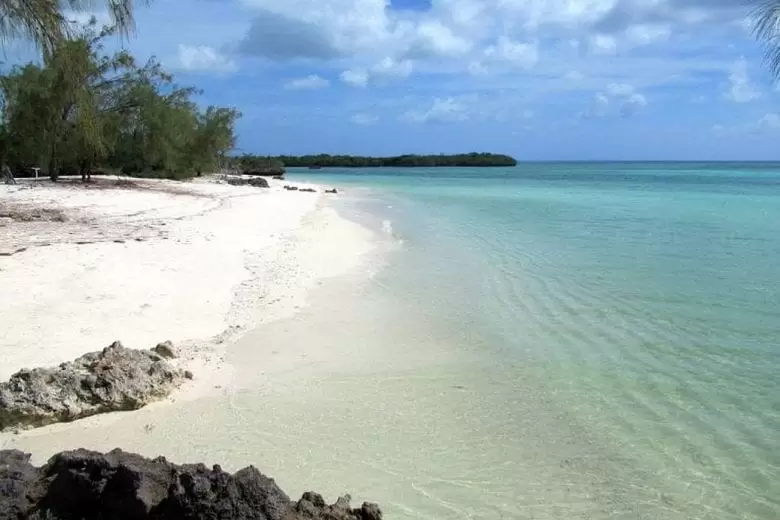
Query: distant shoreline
(280, 162)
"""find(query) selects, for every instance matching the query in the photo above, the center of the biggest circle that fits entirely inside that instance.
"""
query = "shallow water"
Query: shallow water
(608, 335)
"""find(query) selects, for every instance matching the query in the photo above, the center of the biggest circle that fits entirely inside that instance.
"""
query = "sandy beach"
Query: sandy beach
(144, 261)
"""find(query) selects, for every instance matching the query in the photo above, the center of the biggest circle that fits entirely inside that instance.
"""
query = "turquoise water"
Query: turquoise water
(568, 341)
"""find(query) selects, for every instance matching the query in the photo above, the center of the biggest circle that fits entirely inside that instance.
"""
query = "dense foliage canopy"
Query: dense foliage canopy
(251, 162)
(82, 109)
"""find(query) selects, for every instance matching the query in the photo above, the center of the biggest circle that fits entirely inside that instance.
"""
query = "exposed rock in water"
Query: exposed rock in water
(257, 182)
(87, 485)
(114, 379)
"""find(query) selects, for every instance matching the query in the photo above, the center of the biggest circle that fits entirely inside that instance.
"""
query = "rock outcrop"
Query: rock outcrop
(87, 485)
(257, 182)
(114, 379)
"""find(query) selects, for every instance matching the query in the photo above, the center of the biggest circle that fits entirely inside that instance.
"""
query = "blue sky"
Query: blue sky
(538, 79)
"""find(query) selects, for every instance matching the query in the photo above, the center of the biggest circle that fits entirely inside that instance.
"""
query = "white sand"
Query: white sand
(195, 263)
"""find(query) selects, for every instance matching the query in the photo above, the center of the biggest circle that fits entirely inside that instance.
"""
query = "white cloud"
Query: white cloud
(620, 97)
(434, 38)
(310, 82)
(769, 122)
(632, 105)
(443, 110)
(574, 75)
(740, 89)
(646, 34)
(364, 119)
(204, 58)
(355, 77)
(602, 44)
(524, 55)
(391, 68)
(619, 89)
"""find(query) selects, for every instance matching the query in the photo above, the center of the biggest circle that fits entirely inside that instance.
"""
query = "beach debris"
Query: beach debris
(125, 486)
(114, 379)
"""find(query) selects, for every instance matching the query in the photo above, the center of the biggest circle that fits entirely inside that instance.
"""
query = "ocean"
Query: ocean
(554, 341)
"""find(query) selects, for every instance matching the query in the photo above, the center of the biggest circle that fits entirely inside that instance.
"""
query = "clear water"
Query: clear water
(567, 340)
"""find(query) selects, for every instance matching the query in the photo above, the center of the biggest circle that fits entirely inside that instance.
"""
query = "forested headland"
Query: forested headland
(80, 110)
(474, 159)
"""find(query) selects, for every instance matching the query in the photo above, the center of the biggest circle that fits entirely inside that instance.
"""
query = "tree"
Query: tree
(45, 24)
(766, 27)
(82, 108)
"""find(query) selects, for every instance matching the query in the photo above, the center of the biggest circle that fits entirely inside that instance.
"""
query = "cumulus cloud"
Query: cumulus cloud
(520, 54)
(443, 110)
(632, 105)
(310, 82)
(389, 67)
(434, 39)
(617, 97)
(740, 89)
(204, 58)
(279, 37)
(602, 44)
(768, 123)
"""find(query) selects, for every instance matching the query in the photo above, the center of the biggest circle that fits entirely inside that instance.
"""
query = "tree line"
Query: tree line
(248, 163)
(81, 109)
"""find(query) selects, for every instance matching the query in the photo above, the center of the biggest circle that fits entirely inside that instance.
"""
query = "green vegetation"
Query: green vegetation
(44, 23)
(81, 109)
(256, 165)
(766, 26)
(353, 161)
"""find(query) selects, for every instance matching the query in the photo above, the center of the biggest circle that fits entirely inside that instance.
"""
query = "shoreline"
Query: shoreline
(200, 264)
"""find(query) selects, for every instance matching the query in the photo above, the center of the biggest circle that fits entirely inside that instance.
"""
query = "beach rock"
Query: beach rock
(257, 182)
(334, 190)
(308, 190)
(166, 350)
(291, 188)
(114, 379)
(123, 486)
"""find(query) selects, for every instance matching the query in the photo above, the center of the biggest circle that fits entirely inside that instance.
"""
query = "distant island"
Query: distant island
(270, 164)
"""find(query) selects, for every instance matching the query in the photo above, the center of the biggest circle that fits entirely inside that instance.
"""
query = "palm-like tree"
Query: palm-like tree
(44, 23)
(766, 26)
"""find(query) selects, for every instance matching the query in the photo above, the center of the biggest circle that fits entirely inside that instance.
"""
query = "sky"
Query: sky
(536, 79)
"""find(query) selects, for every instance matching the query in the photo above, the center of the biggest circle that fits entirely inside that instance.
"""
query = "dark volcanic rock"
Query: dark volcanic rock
(114, 379)
(85, 485)
(257, 182)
